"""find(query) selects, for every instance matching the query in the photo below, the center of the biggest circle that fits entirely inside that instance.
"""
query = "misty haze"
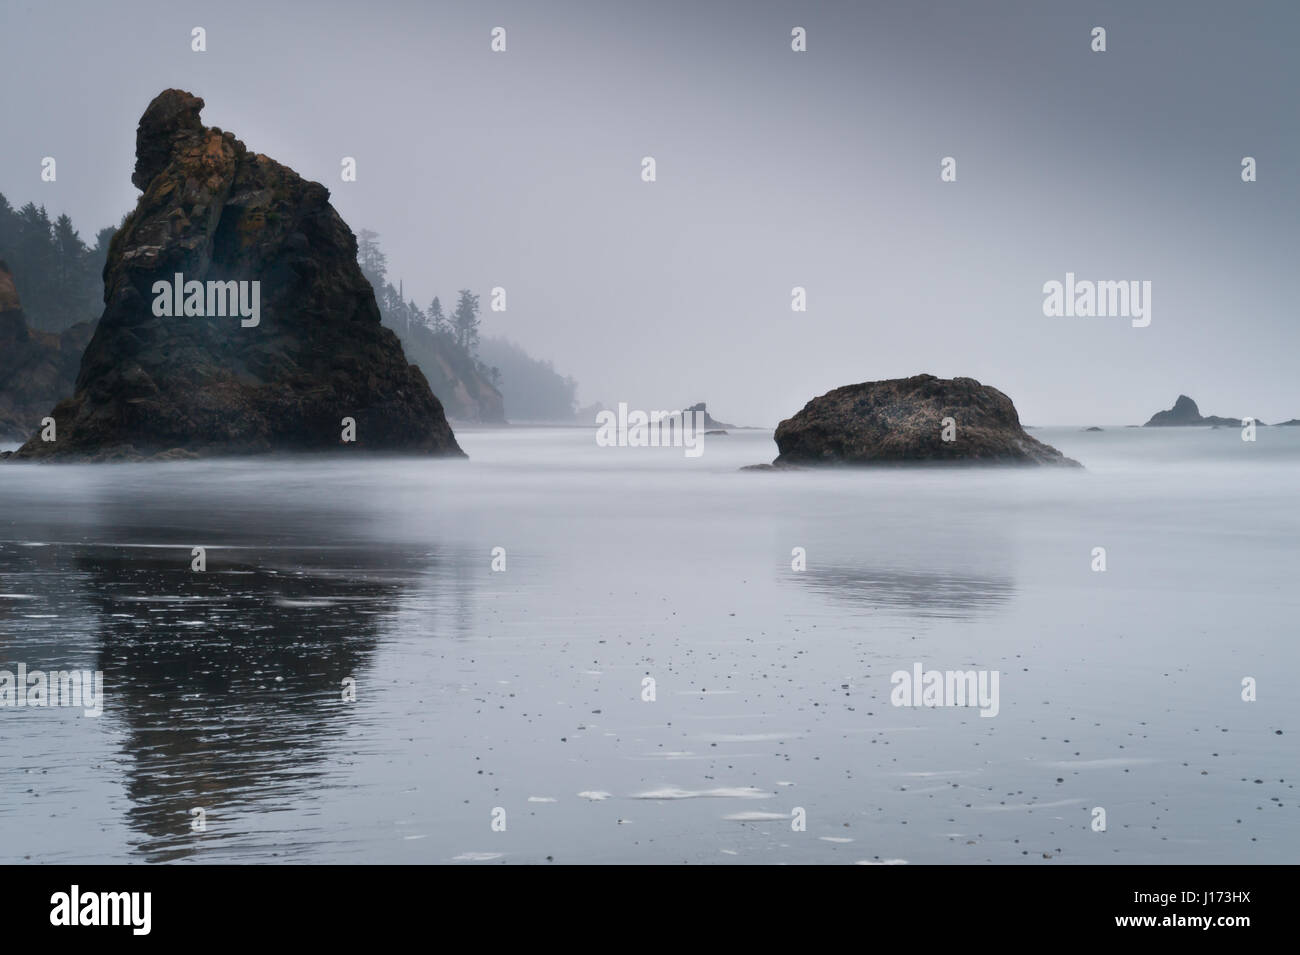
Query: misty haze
(734, 433)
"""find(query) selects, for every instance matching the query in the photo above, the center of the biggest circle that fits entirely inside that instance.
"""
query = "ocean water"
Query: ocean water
(500, 716)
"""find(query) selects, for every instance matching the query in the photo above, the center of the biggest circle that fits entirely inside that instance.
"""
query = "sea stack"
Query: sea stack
(709, 420)
(236, 318)
(37, 369)
(1185, 414)
(917, 420)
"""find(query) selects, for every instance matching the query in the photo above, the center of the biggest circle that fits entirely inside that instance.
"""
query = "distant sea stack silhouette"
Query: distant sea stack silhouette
(236, 317)
(709, 422)
(901, 421)
(1184, 413)
(37, 369)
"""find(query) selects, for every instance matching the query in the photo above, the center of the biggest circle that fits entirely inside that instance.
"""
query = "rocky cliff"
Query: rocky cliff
(902, 421)
(37, 369)
(466, 393)
(236, 318)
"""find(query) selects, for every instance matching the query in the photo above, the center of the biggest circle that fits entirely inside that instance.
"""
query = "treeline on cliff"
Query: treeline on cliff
(58, 275)
(487, 380)
(532, 389)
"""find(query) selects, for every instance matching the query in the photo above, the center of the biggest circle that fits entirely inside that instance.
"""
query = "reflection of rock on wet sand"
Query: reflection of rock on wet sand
(913, 593)
(228, 683)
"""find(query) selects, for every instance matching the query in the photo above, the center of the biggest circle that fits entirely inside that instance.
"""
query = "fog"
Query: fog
(775, 169)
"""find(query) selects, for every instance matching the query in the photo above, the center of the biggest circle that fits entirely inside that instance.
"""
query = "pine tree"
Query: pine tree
(437, 321)
(374, 264)
(8, 225)
(69, 251)
(464, 321)
(38, 264)
(415, 315)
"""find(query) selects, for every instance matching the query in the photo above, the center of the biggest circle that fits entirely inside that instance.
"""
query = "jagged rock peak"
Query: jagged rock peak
(236, 317)
(170, 122)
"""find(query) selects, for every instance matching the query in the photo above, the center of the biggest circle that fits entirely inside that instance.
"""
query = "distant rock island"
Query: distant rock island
(902, 421)
(1184, 413)
(289, 345)
(37, 369)
(710, 422)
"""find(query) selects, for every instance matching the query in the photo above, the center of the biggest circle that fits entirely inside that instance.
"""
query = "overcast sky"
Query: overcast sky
(775, 169)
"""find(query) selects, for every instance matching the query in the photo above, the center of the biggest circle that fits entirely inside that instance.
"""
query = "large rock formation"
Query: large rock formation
(901, 421)
(198, 379)
(37, 369)
(1184, 413)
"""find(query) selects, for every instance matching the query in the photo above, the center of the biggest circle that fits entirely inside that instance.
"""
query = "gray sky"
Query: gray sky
(775, 169)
